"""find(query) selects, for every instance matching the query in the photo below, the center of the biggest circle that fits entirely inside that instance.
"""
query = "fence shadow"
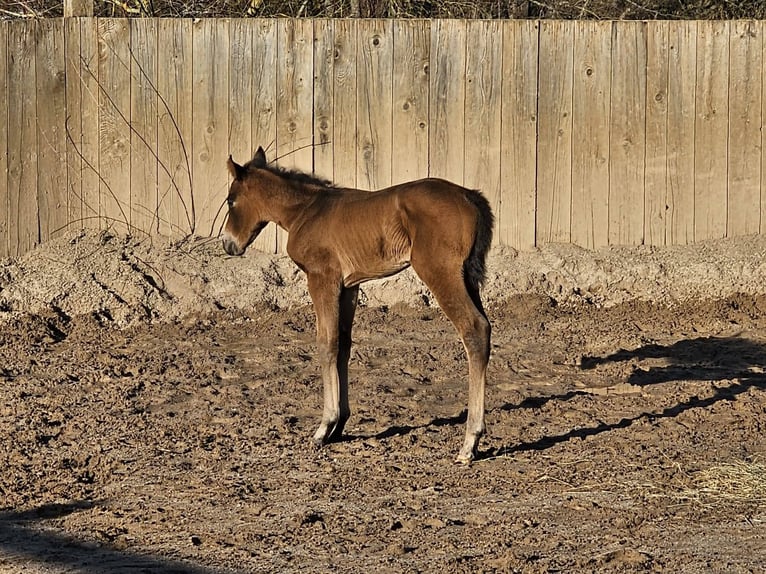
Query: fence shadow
(737, 363)
(25, 539)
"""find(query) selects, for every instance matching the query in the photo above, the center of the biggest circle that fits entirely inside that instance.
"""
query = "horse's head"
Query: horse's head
(245, 218)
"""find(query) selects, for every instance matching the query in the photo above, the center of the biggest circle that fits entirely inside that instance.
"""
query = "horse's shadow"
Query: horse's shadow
(736, 362)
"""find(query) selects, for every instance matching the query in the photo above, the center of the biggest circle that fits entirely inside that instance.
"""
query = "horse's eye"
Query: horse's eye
(230, 202)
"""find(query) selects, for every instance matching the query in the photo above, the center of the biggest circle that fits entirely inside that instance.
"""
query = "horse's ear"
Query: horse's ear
(259, 159)
(235, 170)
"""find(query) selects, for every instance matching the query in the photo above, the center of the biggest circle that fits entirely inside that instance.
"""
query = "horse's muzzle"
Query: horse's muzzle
(231, 247)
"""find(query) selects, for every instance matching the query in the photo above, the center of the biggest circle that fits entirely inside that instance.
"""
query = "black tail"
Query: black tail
(474, 267)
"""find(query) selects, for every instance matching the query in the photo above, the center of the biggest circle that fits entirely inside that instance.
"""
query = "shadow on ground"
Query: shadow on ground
(26, 541)
(736, 362)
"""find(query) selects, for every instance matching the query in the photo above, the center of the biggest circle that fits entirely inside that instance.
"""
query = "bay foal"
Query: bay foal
(343, 237)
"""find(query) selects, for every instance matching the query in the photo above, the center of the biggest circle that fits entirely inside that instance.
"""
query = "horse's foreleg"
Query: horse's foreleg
(333, 353)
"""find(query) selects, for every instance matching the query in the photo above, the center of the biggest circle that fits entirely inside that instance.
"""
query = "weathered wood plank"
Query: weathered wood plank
(711, 130)
(5, 209)
(295, 73)
(144, 212)
(446, 133)
(175, 202)
(374, 103)
(264, 109)
(656, 170)
(412, 49)
(554, 126)
(763, 137)
(78, 8)
(627, 134)
(51, 131)
(210, 120)
(295, 69)
(73, 124)
(90, 123)
(23, 210)
(745, 121)
(241, 69)
(682, 72)
(590, 126)
(344, 143)
(114, 123)
(516, 212)
(241, 58)
(483, 107)
(324, 82)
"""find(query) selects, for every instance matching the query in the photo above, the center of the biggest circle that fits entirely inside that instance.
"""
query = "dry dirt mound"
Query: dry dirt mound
(124, 280)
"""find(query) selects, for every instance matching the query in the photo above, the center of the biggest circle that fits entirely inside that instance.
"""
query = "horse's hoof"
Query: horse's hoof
(465, 460)
(318, 442)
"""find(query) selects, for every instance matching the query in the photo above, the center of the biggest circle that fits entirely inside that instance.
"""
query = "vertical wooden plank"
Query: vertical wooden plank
(323, 97)
(175, 201)
(627, 134)
(411, 57)
(483, 106)
(656, 172)
(114, 125)
(74, 163)
(90, 123)
(344, 102)
(210, 119)
(711, 130)
(682, 74)
(264, 112)
(264, 109)
(446, 134)
(22, 137)
(241, 67)
(241, 78)
(763, 137)
(5, 210)
(554, 127)
(295, 72)
(144, 125)
(51, 134)
(590, 126)
(77, 8)
(745, 121)
(374, 103)
(518, 160)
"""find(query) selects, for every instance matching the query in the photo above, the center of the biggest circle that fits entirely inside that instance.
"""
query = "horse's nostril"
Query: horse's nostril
(231, 248)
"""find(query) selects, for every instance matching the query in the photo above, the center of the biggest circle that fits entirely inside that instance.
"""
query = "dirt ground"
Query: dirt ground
(157, 404)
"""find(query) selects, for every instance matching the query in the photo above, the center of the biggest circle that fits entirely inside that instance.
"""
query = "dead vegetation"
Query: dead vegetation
(738, 483)
(561, 9)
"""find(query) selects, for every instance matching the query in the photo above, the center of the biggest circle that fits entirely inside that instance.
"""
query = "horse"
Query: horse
(341, 237)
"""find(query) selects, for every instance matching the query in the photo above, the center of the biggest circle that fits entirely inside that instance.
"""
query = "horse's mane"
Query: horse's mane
(298, 176)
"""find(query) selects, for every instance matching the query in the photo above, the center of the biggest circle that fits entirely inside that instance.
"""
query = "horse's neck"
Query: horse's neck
(288, 201)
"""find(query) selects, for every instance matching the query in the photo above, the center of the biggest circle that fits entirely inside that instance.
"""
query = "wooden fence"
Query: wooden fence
(588, 132)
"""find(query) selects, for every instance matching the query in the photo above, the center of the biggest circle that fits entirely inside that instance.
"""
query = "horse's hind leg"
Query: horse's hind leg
(334, 307)
(347, 309)
(458, 304)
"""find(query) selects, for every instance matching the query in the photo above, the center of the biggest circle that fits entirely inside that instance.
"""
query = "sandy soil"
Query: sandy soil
(157, 403)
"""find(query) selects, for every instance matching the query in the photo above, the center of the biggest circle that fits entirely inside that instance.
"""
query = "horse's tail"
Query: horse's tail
(474, 267)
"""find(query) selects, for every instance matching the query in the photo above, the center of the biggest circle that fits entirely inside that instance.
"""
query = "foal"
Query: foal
(343, 237)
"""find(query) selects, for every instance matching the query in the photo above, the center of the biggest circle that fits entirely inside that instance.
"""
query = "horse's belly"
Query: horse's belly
(379, 270)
